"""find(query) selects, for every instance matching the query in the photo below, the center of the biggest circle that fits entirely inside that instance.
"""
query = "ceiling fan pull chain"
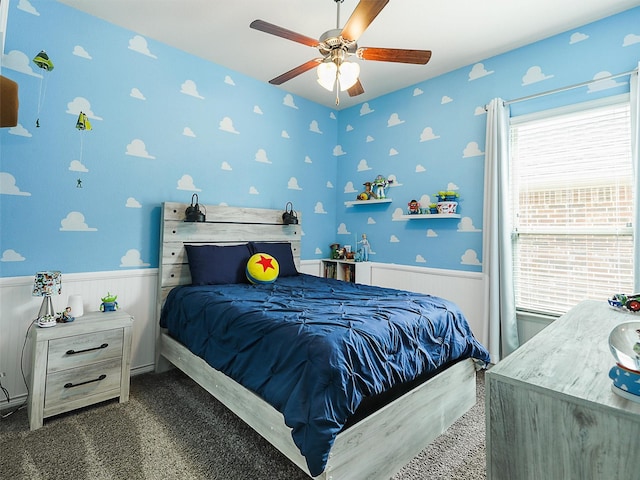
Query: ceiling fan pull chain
(337, 84)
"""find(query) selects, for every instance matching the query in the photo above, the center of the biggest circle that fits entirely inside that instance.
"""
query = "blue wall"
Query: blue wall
(167, 124)
(431, 137)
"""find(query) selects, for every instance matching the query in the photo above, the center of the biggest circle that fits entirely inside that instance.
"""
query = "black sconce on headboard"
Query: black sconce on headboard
(289, 217)
(193, 213)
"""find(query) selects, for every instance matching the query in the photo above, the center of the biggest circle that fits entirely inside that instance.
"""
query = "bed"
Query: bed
(349, 442)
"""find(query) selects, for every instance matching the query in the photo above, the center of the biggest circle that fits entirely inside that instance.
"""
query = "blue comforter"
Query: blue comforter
(314, 348)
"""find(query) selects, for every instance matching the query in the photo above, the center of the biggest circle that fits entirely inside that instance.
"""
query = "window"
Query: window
(572, 200)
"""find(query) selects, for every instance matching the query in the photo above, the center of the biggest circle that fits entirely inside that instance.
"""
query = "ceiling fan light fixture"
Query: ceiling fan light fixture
(327, 75)
(348, 75)
(338, 44)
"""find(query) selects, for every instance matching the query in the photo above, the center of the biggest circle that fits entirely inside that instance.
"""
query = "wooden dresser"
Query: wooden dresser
(79, 363)
(550, 410)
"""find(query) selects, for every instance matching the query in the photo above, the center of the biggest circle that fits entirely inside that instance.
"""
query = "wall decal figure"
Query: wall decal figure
(43, 61)
(82, 124)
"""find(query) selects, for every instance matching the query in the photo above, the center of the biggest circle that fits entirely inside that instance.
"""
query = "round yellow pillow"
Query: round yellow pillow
(262, 268)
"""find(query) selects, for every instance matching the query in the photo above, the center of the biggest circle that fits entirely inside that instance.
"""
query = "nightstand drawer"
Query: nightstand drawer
(71, 352)
(64, 387)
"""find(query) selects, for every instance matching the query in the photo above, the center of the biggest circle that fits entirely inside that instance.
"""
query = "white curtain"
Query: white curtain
(635, 146)
(497, 261)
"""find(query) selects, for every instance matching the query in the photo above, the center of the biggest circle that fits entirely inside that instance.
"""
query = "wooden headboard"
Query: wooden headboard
(223, 226)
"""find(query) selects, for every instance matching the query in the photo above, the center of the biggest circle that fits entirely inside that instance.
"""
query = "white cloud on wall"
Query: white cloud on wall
(74, 222)
(8, 186)
(139, 44)
(189, 88)
(132, 259)
(11, 255)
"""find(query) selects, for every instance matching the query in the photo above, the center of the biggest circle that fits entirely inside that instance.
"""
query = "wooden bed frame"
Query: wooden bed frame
(374, 448)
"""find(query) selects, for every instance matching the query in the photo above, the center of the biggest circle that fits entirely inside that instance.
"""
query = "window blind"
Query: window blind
(572, 206)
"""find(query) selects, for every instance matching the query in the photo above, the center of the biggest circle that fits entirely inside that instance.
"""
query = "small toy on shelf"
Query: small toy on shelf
(109, 303)
(363, 251)
(414, 207)
(447, 201)
(65, 316)
(381, 183)
(368, 193)
(447, 196)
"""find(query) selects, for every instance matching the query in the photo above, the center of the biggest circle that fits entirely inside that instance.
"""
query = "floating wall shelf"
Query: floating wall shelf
(367, 202)
(426, 216)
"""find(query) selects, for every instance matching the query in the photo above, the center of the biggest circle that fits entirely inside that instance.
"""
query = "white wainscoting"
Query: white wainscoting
(136, 290)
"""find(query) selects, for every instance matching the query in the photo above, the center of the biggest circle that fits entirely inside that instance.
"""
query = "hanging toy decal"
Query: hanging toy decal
(82, 124)
(43, 61)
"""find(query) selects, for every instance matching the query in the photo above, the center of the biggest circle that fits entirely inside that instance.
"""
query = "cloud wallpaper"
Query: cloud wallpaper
(166, 125)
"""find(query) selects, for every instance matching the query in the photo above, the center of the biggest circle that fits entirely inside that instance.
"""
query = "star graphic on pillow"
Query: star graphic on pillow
(266, 263)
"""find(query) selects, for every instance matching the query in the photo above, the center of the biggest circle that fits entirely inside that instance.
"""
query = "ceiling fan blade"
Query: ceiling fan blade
(362, 17)
(399, 55)
(356, 89)
(294, 72)
(283, 32)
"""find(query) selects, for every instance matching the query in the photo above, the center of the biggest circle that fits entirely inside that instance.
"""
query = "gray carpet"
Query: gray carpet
(172, 429)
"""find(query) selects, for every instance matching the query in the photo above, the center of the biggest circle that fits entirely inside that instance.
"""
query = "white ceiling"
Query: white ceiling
(458, 32)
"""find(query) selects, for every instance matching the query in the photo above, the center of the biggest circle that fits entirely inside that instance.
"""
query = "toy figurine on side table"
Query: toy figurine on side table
(109, 303)
(65, 316)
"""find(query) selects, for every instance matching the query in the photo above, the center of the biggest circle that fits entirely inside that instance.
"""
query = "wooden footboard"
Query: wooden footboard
(374, 448)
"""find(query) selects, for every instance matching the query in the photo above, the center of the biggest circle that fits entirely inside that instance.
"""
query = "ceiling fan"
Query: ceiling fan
(337, 45)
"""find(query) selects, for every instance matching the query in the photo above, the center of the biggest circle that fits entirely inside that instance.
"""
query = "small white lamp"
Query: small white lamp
(46, 284)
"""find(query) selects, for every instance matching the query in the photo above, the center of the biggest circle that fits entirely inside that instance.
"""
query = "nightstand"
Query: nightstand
(79, 363)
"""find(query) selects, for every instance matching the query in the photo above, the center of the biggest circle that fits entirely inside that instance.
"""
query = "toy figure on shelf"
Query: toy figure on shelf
(414, 207)
(364, 249)
(368, 193)
(65, 316)
(380, 183)
(109, 303)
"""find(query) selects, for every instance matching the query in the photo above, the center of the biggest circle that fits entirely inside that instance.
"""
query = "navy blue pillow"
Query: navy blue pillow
(282, 253)
(216, 264)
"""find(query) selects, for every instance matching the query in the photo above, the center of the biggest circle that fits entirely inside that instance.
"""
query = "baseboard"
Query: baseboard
(142, 369)
(16, 402)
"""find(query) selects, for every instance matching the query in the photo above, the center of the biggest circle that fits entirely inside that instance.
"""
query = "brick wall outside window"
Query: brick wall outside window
(573, 205)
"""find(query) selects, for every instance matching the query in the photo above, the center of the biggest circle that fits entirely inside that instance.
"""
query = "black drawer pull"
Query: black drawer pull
(73, 352)
(69, 385)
